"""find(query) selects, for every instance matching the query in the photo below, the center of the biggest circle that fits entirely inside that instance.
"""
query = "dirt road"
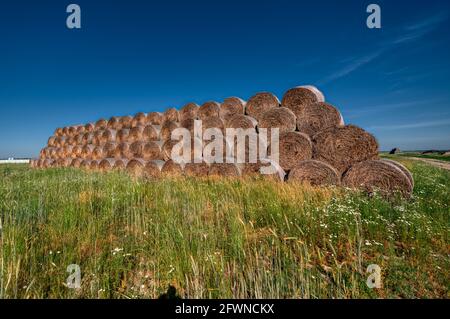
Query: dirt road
(433, 162)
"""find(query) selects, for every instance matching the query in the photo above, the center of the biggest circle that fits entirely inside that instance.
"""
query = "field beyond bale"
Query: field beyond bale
(217, 238)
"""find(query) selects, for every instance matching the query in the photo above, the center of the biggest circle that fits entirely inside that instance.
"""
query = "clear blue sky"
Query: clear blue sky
(136, 55)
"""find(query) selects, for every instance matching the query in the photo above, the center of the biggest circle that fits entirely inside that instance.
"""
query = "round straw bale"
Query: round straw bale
(208, 109)
(167, 147)
(80, 129)
(225, 169)
(137, 149)
(48, 163)
(109, 149)
(294, 147)
(242, 121)
(196, 169)
(245, 147)
(59, 153)
(114, 123)
(58, 131)
(51, 141)
(136, 134)
(140, 119)
(342, 147)
(76, 162)
(214, 122)
(68, 151)
(94, 165)
(107, 164)
(153, 169)
(123, 151)
(279, 117)
(316, 91)
(272, 169)
(152, 151)
(190, 125)
(167, 128)
(171, 115)
(60, 141)
(87, 151)
(136, 166)
(43, 153)
(65, 131)
(89, 127)
(188, 111)
(150, 133)
(73, 130)
(97, 153)
(296, 98)
(378, 175)
(32, 163)
(210, 149)
(126, 121)
(108, 135)
(53, 153)
(47, 152)
(230, 107)
(85, 164)
(316, 117)
(40, 163)
(88, 138)
(403, 169)
(260, 103)
(171, 168)
(66, 162)
(70, 140)
(122, 135)
(315, 173)
(57, 162)
(98, 137)
(78, 139)
(121, 164)
(155, 118)
(101, 124)
(76, 151)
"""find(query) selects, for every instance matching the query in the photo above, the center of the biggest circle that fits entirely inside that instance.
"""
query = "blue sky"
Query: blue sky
(135, 56)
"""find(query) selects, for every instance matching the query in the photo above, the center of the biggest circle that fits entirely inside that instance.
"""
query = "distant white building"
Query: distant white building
(12, 160)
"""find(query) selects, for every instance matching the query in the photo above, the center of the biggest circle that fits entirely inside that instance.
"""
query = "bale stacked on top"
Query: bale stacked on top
(315, 146)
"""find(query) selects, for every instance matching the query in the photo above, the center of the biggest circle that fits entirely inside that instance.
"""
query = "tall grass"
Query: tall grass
(215, 238)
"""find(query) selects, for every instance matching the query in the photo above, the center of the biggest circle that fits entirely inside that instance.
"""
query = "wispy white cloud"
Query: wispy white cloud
(427, 23)
(413, 32)
(411, 125)
(419, 29)
(353, 66)
(370, 110)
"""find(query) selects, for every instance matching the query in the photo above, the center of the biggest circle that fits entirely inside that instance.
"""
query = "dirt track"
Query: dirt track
(433, 162)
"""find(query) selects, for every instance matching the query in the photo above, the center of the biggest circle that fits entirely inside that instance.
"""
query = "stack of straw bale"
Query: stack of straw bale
(314, 146)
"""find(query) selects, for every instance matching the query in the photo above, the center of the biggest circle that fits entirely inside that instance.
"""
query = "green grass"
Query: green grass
(218, 238)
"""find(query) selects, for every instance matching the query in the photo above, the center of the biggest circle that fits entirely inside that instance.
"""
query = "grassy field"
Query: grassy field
(218, 238)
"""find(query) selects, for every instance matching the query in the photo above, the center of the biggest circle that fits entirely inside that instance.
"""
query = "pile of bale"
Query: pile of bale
(315, 146)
